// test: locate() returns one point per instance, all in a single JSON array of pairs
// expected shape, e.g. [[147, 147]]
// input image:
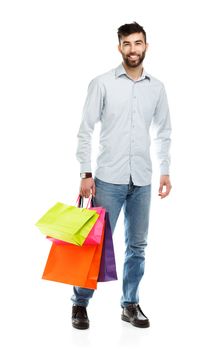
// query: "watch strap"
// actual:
[[85, 175]]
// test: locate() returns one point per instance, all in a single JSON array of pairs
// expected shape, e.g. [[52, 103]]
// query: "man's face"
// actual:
[[132, 49]]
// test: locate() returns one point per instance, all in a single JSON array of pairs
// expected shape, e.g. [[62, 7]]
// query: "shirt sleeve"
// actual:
[[91, 114], [161, 126]]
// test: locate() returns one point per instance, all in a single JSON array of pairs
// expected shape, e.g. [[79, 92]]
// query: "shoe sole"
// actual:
[[80, 327], [126, 319]]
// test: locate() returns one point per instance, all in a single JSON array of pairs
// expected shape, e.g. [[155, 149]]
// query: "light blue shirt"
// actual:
[[128, 111]]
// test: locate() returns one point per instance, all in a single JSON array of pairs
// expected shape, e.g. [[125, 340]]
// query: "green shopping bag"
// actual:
[[68, 223]]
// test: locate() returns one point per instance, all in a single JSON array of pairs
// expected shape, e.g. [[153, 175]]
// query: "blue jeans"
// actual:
[[135, 201]]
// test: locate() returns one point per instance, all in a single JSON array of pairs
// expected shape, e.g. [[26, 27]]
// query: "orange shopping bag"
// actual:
[[75, 265]]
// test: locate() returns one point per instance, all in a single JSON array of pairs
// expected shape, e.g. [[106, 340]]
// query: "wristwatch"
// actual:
[[85, 175]]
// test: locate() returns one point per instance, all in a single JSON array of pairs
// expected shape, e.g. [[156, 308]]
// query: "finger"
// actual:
[[87, 194], [166, 193], [162, 193], [160, 189], [81, 192]]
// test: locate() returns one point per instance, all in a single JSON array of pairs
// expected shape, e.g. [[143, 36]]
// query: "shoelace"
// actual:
[[133, 308], [80, 311]]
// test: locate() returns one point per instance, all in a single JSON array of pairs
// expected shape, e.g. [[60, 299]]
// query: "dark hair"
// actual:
[[127, 29]]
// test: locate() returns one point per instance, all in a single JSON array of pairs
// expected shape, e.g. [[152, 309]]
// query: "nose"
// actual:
[[132, 48]]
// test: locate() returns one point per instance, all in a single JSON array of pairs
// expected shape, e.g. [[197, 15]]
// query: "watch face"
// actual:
[[85, 175]]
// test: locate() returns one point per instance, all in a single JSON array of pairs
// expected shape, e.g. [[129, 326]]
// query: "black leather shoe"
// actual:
[[133, 314], [79, 317]]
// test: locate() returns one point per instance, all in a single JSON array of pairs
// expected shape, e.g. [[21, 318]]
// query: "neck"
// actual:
[[134, 72]]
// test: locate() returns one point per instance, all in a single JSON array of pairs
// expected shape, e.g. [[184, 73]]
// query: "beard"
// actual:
[[134, 63]]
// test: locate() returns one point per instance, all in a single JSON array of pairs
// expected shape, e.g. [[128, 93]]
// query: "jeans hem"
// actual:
[[79, 304]]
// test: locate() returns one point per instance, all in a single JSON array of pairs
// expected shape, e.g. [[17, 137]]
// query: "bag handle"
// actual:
[[80, 202]]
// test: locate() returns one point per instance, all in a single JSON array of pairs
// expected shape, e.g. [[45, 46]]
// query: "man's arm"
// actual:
[[161, 125], [91, 114]]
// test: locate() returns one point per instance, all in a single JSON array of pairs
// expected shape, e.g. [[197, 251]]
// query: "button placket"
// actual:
[[132, 121], [134, 110]]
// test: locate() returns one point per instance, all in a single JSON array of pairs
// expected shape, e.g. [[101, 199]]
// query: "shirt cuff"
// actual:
[[164, 170], [85, 168]]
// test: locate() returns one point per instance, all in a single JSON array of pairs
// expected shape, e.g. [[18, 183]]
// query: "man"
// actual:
[[127, 101]]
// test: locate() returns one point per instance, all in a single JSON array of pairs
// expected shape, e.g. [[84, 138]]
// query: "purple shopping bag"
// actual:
[[107, 264]]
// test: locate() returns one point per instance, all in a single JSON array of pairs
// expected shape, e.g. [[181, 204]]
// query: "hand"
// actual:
[[164, 181], [87, 187]]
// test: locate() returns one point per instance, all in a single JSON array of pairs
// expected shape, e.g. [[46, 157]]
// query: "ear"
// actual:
[[147, 45], [119, 48]]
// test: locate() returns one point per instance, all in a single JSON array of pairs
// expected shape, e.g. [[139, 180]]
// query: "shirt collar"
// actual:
[[120, 70]]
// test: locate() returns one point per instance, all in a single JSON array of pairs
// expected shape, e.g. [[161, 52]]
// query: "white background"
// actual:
[[50, 50]]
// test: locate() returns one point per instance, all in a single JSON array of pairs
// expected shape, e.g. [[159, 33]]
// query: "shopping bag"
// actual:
[[107, 270], [75, 265], [94, 236], [68, 223]]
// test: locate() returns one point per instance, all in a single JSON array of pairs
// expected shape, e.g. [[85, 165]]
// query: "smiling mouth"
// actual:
[[133, 57]]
